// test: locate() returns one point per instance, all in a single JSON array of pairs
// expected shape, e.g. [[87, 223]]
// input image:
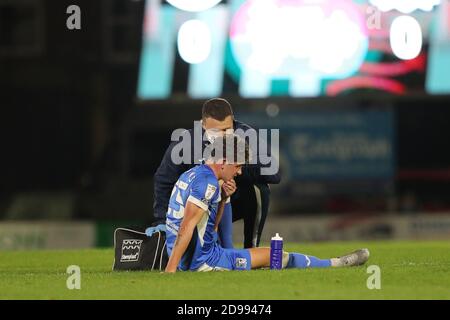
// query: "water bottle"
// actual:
[[276, 252]]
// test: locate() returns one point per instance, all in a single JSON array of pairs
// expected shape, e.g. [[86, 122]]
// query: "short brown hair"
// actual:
[[216, 108], [230, 147]]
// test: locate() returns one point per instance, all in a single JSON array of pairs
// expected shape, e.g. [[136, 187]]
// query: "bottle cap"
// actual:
[[277, 237]]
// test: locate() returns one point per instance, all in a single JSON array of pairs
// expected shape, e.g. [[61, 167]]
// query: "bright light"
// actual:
[[272, 110], [283, 37], [405, 6], [340, 38], [193, 5], [194, 41], [406, 37]]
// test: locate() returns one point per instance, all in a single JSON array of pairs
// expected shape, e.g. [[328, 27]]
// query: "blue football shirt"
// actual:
[[200, 186]]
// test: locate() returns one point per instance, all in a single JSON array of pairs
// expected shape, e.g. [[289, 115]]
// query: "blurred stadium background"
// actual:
[[87, 114]]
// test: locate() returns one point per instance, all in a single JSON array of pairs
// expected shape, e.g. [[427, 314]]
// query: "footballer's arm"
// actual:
[[192, 216]]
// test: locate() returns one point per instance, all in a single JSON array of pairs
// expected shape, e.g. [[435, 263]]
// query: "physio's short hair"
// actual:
[[229, 147], [217, 108]]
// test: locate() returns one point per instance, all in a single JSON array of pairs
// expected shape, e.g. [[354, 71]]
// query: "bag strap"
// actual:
[[126, 229], [162, 254], [156, 252]]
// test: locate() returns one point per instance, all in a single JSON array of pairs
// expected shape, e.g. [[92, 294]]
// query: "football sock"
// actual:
[[226, 227], [298, 260]]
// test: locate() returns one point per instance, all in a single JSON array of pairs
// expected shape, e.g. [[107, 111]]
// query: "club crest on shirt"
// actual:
[[210, 190], [241, 263]]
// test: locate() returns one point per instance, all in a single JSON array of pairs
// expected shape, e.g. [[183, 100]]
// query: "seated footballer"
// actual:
[[195, 209]]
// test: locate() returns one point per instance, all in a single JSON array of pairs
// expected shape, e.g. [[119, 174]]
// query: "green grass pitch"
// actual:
[[409, 270]]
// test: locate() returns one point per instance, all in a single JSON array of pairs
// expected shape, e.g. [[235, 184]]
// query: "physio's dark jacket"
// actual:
[[168, 173]]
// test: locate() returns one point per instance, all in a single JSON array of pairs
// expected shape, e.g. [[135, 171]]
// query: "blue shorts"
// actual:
[[231, 259]]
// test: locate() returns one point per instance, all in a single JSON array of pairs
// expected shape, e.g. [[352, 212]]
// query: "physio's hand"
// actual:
[[228, 188], [151, 230]]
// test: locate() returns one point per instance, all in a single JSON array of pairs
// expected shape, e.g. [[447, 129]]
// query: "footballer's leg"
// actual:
[[260, 258], [244, 206], [226, 227], [251, 203]]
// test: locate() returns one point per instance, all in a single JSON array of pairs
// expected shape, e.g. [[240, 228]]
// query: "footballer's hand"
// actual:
[[228, 188], [169, 271]]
